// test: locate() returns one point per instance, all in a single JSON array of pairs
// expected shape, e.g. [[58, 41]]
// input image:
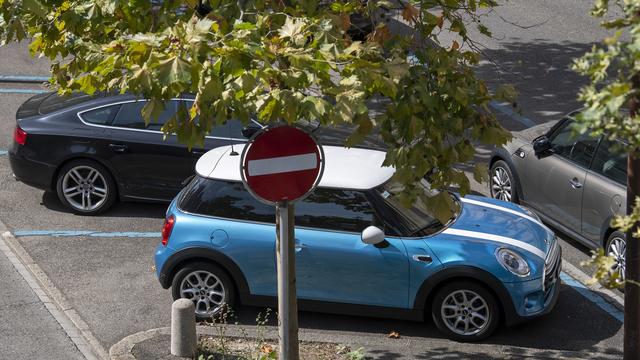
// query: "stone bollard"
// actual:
[[183, 328]]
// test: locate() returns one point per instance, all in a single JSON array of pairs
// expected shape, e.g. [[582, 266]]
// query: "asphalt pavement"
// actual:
[[108, 279]]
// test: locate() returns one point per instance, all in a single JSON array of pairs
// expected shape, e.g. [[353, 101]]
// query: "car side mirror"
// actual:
[[249, 131], [372, 236], [541, 144]]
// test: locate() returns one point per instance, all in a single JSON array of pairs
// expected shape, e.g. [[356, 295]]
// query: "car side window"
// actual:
[[230, 129], [335, 209], [130, 116], [225, 199], [610, 161], [578, 148], [100, 116]]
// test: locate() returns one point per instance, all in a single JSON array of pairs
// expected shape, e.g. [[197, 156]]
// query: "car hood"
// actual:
[[503, 223]]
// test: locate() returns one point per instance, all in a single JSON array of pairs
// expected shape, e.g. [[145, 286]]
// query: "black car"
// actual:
[[93, 150]]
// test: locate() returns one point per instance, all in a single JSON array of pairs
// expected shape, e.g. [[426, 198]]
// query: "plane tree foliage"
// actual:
[[611, 103], [283, 61]]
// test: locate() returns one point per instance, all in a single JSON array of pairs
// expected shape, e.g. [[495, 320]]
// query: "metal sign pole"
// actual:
[[287, 304]]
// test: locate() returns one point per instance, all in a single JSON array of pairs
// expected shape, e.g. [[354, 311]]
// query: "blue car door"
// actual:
[[332, 262]]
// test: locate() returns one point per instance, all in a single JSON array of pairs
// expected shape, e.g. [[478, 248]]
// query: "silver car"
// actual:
[[575, 183]]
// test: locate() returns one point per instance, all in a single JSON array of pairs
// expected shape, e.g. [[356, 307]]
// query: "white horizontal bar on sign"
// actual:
[[282, 164]]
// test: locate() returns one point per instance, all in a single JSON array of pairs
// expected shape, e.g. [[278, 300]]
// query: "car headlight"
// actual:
[[513, 262], [530, 212]]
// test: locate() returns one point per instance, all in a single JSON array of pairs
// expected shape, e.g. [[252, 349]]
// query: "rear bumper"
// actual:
[[28, 171]]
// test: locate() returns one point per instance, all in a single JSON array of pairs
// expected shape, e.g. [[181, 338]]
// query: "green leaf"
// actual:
[[174, 70], [480, 172], [35, 7], [152, 110]]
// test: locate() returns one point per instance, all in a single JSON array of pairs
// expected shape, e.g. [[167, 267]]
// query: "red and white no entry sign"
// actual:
[[281, 163]]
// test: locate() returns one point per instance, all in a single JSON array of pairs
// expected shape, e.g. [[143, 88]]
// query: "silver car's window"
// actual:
[[578, 148], [611, 161]]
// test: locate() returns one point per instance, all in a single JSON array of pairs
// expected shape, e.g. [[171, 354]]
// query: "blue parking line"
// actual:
[[22, 91], [508, 110], [593, 297], [23, 78], [3, 152], [75, 233]]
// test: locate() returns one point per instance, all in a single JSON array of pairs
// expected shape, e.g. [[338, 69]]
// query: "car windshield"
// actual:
[[417, 220]]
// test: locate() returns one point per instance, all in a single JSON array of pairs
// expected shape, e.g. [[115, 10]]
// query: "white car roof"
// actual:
[[345, 168]]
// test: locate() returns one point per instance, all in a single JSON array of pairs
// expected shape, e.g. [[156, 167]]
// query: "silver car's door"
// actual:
[[554, 182], [605, 190]]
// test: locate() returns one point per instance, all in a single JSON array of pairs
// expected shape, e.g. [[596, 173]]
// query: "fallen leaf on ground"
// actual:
[[394, 335]]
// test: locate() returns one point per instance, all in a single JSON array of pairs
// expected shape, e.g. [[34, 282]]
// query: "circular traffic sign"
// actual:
[[281, 163]]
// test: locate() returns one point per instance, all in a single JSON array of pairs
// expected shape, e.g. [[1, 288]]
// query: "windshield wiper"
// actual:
[[435, 224]]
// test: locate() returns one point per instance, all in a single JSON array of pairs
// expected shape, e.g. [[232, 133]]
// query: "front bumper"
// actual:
[[535, 298]]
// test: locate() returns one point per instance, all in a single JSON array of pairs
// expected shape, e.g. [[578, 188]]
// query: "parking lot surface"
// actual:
[[103, 267]]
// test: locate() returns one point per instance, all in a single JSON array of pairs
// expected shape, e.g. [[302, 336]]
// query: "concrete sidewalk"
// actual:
[[27, 329]]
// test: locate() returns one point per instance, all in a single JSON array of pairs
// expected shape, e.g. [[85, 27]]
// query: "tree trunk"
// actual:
[[632, 259]]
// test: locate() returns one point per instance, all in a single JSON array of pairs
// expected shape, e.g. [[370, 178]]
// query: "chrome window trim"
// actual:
[[79, 113]]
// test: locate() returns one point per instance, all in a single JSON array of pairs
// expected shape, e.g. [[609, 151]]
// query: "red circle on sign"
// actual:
[[281, 163]]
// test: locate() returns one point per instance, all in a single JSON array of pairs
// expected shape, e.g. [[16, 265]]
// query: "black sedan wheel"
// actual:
[[465, 311], [502, 182], [85, 187]]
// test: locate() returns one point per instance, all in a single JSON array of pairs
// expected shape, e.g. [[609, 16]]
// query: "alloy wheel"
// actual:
[[205, 290], [84, 188], [465, 312], [617, 249], [501, 184]]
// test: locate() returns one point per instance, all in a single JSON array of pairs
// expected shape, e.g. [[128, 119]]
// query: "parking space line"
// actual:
[[3, 152], [23, 78], [593, 297], [75, 233], [22, 91]]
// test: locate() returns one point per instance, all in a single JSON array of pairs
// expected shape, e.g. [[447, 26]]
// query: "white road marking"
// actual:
[[283, 164]]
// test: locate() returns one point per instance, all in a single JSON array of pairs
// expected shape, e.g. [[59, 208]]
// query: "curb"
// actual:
[[122, 349], [55, 302], [374, 345]]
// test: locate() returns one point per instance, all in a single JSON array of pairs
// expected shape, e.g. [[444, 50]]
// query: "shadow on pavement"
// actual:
[[120, 209], [575, 325], [540, 71]]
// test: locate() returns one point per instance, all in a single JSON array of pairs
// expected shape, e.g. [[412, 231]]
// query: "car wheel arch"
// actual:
[[431, 286], [502, 155], [54, 178], [190, 255]]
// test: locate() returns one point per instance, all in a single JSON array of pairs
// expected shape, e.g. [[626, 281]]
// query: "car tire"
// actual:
[[502, 184], [198, 278], [465, 311], [85, 187], [616, 246]]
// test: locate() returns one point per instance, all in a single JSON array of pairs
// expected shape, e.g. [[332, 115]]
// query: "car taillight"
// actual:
[[167, 228], [19, 135]]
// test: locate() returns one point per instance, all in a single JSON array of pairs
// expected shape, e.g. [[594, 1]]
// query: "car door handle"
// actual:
[[119, 148], [423, 258], [198, 151], [575, 183], [300, 247]]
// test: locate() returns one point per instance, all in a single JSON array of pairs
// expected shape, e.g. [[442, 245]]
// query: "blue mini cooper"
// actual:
[[358, 250]]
